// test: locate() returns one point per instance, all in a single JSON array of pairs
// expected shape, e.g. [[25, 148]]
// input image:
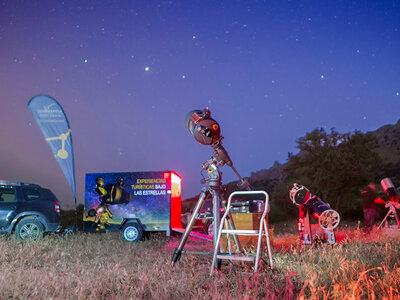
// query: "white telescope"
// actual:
[[309, 204]]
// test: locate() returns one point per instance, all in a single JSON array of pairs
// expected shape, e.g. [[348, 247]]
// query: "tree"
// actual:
[[330, 164]]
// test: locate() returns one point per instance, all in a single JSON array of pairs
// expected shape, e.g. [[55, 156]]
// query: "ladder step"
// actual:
[[242, 231], [236, 257]]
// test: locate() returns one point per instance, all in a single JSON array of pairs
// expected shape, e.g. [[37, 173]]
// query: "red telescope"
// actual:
[[389, 190]]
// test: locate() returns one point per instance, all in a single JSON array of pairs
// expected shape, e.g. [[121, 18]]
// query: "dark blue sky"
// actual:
[[127, 73]]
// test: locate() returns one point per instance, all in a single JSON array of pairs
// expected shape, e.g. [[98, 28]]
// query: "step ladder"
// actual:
[[262, 231]]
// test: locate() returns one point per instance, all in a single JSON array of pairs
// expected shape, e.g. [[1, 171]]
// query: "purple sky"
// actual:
[[128, 72]]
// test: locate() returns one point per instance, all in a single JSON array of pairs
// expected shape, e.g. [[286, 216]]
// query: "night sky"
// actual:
[[128, 72]]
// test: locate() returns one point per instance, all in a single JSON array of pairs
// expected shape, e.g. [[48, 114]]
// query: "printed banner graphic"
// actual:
[[54, 125]]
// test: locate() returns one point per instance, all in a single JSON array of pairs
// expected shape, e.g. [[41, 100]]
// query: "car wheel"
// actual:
[[29, 229], [131, 232]]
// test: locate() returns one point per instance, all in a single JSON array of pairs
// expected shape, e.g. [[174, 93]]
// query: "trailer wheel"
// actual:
[[131, 232]]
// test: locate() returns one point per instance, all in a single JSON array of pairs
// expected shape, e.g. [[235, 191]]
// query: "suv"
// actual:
[[28, 210]]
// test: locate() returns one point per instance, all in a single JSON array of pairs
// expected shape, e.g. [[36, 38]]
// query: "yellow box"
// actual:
[[244, 221]]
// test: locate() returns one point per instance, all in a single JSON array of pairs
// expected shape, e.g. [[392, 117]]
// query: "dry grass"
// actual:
[[101, 266]]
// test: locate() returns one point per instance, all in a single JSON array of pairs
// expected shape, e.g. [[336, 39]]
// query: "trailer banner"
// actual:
[[52, 121], [112, 198]]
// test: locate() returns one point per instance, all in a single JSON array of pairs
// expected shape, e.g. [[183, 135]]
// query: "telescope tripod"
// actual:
[[392, 213], [214, 188]]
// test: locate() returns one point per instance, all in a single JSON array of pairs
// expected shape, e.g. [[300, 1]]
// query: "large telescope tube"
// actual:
[[389, 189], [205, 130], [321, 211]]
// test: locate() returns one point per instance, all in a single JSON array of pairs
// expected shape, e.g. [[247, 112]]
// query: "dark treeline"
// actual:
[[335, 166]]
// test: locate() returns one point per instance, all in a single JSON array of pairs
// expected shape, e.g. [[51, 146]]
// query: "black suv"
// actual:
[[28, 210]]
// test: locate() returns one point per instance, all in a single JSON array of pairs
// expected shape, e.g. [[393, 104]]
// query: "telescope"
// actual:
[[207, 131], [390, 190], [309, 204], [392, 204]]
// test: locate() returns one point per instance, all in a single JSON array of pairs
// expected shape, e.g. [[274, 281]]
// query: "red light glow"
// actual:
[[176, 208]]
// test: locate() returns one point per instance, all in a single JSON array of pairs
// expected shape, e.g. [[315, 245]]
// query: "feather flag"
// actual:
[[53, 123]]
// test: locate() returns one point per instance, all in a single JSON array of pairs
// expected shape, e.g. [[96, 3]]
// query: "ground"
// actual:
[[101, 266]]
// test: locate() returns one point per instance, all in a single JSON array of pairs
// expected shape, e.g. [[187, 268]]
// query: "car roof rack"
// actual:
[[19, 183]]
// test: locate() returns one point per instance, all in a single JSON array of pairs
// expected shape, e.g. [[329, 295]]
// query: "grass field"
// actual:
[[101, 266]]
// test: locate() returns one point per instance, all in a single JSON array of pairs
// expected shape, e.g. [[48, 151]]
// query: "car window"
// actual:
[[7, 194], [31, 194]]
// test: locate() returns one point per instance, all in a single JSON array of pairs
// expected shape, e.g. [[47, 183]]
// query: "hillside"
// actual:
[[387, 146], [388, 143]]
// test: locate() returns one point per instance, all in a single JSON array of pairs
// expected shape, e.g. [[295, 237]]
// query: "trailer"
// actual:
[[132, 203]]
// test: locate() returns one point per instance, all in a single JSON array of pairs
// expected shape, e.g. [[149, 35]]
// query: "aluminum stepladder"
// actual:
[[262, 231]]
